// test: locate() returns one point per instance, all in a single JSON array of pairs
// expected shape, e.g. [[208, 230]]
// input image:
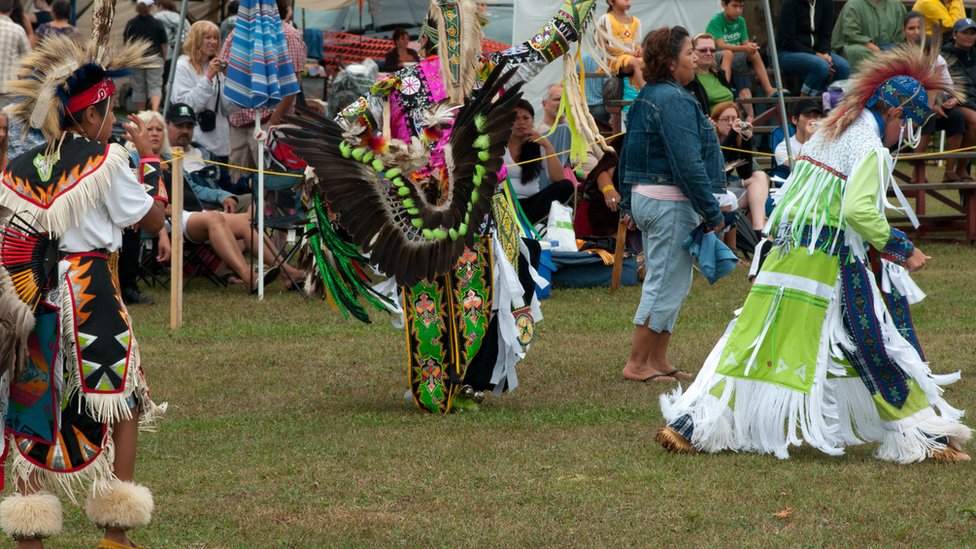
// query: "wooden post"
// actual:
[[618, 256], [176, 240]]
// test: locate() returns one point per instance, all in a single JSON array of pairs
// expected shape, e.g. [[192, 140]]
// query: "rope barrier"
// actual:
[[909, 156]]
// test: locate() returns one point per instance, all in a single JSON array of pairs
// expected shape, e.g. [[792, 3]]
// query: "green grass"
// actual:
[[287, 428]]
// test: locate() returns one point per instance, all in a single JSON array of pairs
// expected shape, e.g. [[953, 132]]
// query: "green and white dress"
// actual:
[[823, 350]]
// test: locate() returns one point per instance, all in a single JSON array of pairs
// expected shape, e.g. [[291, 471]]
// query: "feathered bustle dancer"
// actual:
[[412, 173]]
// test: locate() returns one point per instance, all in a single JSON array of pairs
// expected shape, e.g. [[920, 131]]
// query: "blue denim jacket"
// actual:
[[670, 142]]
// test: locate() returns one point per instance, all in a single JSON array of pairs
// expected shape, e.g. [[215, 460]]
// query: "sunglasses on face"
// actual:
[[705, 50]]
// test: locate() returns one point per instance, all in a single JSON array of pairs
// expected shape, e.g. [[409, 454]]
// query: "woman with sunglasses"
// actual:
[[710, 87]]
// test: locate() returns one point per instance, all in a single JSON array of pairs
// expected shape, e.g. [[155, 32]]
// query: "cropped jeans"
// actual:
[[664, 225]]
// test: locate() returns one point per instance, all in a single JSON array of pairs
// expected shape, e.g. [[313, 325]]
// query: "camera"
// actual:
[[223, 64]]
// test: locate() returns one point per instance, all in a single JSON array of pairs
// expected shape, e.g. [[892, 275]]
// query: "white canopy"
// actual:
[[323, 5], [530, 15]]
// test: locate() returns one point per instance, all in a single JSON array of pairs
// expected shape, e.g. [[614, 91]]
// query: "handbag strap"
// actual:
[[217, 103]]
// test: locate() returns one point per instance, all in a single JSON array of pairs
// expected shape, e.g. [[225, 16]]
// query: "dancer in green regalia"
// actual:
[[824, 350]]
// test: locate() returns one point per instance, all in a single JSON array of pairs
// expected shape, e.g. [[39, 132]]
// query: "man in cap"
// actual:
[[202, 177], [805, 117], [962, 57]]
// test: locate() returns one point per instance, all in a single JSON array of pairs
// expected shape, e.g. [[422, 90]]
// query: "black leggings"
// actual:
[[536, 207]]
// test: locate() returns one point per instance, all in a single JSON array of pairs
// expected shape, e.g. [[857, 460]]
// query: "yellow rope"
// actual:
[[252, 170], [756, 153]]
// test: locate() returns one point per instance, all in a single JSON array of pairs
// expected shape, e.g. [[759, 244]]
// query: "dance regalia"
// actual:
[[824, 350], [70, 364], [416, 184], [81, 371]]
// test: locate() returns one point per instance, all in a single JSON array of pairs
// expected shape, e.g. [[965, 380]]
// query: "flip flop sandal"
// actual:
[[674, 373], [652, 378]]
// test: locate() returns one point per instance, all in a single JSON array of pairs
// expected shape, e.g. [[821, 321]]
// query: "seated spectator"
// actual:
[[550, 107], [527, 145], [593, 86], [710, 86], [226, 232], [865, 27], [962, 55], [561, 137], [805, 117], [21, 138], [59, 25], [735, 51], [803, 42], [205, 178], [619, 35], [733, 132], [397, 57], [948, 117], [941, 14], [199, 83], [601, 189]]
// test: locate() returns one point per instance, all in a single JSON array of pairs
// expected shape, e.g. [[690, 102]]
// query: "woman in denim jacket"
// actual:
[[671, 164]]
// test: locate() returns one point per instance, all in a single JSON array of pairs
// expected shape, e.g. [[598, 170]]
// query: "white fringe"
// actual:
[[858, 419], [838, 412], [69, 209], [95, 474], [914, 439]]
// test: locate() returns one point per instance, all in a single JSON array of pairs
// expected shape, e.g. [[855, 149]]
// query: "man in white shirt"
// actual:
[[805, 117]]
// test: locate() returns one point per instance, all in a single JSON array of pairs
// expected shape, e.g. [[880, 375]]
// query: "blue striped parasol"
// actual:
[[260, 73]]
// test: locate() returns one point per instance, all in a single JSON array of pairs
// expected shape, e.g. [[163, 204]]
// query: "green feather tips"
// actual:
[[428, 234], [467, 218], [345, 149], [408, 203], [483, 156], [392, 174], [417, 222], [482, 142], [398, 182], [377, 165], [480, 170], [368, 157], [463, 229], [452, 233], [403, 191], [440, 233], [480, 122], [358, 153], [413, 211], [470, 206], [474, 196], [476, 179]]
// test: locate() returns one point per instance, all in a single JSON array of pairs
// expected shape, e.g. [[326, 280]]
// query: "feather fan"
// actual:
[[386, 214]]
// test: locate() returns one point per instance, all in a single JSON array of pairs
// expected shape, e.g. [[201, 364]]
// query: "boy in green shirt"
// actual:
[[735, 49]]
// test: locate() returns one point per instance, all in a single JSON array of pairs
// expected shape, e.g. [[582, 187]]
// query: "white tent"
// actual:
[[530, 15], [322, 5]]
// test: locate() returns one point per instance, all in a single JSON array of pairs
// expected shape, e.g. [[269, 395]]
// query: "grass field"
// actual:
[[287, 428]]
